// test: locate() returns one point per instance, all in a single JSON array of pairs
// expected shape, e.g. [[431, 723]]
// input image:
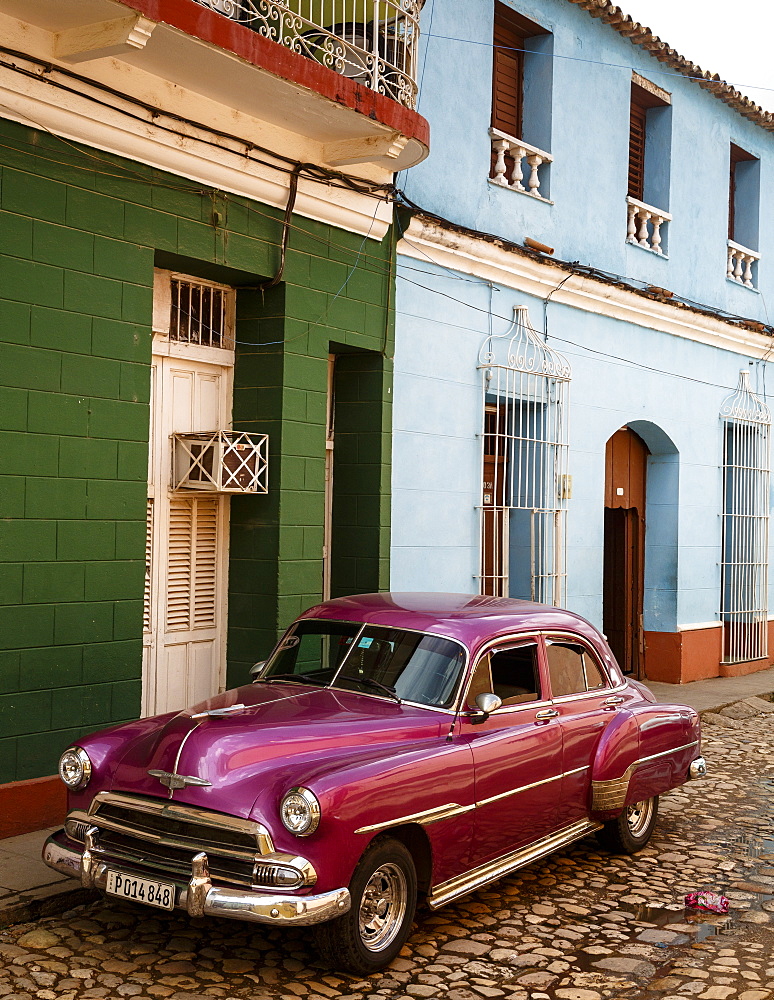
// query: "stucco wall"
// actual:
[[589, 135], [670, 392]]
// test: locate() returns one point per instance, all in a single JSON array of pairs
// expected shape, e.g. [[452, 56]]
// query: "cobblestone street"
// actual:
[[579, 925]]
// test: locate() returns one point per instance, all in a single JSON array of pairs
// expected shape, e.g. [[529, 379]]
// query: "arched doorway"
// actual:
[[626, 460]]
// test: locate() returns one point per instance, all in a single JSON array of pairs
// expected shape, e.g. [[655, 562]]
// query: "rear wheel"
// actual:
[[631, 831], [384, 895]]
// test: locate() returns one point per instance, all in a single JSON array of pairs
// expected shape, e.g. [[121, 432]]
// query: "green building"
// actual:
[[195, 239]]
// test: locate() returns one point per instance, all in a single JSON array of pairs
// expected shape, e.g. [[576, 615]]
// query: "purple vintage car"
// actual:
[[392, 746]]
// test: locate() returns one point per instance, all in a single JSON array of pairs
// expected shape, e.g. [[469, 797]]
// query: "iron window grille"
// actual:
[[745, 524], [525, 486], [201, 312]]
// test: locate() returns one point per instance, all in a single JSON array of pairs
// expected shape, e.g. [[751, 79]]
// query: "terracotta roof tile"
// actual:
[[638, 34]]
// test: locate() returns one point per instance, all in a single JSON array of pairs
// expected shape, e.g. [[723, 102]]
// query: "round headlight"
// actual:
[[300, 812], [75, 768]]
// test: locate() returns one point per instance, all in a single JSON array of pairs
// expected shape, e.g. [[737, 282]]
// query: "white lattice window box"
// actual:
[[221, 462]]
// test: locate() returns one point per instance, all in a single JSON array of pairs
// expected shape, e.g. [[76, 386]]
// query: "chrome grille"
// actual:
[[163, 836]]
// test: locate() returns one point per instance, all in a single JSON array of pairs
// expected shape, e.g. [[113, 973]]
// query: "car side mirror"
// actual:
[[487, 703], [257, 668]]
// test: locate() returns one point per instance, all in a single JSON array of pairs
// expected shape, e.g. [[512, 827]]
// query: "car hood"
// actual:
[[284, 735]]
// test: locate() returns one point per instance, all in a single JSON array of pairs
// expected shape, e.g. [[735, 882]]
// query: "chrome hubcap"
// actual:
[[638, 817], [383, 907]]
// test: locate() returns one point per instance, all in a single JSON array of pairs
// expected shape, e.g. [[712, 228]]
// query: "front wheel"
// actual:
[[384, 897], [630, 831]]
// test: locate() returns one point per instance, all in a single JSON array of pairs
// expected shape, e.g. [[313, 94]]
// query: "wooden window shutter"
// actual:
[[193, 563], [637, 123], [507, 75]]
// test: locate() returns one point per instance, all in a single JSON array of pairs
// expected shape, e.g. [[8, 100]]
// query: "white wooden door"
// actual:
[[187, 542]]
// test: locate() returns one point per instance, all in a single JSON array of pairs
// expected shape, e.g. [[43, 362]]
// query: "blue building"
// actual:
[[582, 338]]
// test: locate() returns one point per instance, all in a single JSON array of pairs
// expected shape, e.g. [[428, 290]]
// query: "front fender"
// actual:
[[366, 798], [645, 751]]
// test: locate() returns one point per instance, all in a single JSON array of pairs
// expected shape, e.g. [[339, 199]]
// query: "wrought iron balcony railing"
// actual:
[[371, 41]]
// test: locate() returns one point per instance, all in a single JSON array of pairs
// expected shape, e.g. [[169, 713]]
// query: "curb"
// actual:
[[25, 908]]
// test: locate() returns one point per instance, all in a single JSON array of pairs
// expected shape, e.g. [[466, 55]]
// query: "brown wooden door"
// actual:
[[493, 523], [624, 548]]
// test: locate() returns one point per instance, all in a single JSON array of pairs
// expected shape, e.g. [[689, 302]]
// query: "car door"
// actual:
[[517, 751], [581, 693]]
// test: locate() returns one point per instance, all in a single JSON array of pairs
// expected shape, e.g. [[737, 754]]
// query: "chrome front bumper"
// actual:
[[698, 768], [199, 897]]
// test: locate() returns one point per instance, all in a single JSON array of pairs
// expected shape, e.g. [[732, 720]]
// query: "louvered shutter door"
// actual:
[[146, 607], [636, 148], [193, 563]]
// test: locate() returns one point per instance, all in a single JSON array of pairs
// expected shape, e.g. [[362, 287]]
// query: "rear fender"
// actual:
[[645, 751]]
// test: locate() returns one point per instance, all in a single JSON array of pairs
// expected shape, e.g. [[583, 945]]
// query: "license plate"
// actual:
[[141, 890]]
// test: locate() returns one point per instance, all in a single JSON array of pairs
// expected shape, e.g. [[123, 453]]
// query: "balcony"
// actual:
[[644, 225], [371, 41], [741, 264], [507, 170], [322, 81]]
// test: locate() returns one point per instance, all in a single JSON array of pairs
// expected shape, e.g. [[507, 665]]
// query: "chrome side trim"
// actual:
[[665, 753], [515, 791], [477, 877], [453, 809], [258, 907], [611, 793], [423, 818]]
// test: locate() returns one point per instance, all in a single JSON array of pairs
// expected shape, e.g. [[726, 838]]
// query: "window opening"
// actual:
[[649, 165], [743, 215], [745, 524], [521, 102], [512, 674], [571, 668], [524, 465], [201, 312]]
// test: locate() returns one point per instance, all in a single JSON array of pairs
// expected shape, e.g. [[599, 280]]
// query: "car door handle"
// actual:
[[545, 714], [610, 703]]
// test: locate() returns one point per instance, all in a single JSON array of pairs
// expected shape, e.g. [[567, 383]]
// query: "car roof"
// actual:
[[470, 618]]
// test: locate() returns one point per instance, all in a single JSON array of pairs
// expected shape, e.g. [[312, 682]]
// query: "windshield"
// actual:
[[411, 666]]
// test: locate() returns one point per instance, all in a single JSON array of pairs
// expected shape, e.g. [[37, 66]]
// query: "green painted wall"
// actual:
[[79, 233]]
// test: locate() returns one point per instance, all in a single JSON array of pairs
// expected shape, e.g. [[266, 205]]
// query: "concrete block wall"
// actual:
[[80, 233]]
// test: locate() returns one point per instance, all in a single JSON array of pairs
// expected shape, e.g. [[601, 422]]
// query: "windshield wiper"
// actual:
[[369, 680], [301, 678]]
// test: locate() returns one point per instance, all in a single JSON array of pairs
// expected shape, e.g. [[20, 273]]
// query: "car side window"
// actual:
[[572, 668], [512, 674]]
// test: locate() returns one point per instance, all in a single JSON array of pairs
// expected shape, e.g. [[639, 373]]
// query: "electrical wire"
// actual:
[[601, 62], [324, 314], [295, 168]]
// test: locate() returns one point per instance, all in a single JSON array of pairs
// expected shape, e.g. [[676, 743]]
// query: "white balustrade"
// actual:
[[644, 222], [505, 145], [739, 264]]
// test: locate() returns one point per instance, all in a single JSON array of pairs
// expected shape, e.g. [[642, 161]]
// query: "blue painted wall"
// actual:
[[437, 449], [582, 118], [667, 388]]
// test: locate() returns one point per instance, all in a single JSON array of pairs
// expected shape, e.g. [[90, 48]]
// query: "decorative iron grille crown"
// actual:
[[521, 348]]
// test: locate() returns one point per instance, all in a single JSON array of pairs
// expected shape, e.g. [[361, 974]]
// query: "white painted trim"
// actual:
[[699, 625], [195, 153], [426, 240]]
